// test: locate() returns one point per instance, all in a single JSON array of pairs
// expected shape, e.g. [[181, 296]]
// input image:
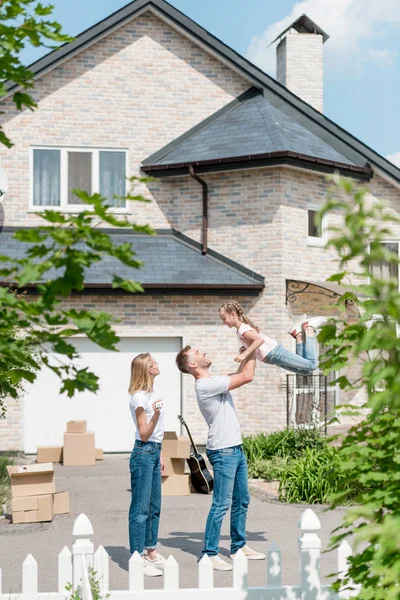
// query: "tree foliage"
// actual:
[[22, 23], [370, 452]]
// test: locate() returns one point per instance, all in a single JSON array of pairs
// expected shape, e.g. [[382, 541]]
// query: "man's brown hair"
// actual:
[[182, 359]]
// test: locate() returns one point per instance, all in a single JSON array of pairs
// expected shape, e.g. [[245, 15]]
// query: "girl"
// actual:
[[146, 464], [303, 362]]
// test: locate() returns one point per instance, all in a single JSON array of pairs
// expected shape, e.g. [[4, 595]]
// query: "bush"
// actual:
[[289, 443], [311, 478], [266, 469], [4, 479]]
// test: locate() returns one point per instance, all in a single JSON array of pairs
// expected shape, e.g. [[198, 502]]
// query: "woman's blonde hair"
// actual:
[[141, 378], [231, 306]]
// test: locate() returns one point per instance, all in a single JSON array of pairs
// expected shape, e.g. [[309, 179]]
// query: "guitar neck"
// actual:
[[189, 434]]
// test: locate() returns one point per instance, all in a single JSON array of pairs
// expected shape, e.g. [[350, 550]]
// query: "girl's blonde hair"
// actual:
[[141, 378], [231, 306]]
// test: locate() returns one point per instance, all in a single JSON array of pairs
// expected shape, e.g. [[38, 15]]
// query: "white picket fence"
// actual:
[[74, 567]]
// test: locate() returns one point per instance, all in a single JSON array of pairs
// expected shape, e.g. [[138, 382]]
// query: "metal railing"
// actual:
[[310, 401]]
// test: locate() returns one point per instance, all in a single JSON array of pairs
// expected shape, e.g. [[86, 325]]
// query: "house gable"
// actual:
[[276, 93]]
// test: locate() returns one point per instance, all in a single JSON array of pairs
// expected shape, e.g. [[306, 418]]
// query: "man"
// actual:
[[224, 451]]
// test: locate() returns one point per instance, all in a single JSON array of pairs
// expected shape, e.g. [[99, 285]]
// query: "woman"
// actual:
[[146, 464]]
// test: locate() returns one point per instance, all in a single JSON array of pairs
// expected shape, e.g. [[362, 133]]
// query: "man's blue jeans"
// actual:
[[304, 362], [231, 490], [144, 512]]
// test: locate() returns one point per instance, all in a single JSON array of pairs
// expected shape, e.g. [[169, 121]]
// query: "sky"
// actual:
[[361, 57]]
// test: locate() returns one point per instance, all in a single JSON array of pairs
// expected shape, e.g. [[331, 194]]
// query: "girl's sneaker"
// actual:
[[316, 323], [296, 327]]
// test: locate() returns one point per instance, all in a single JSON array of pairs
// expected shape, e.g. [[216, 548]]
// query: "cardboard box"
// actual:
[[61, 503], [174, 466], [24, 503], [175, 446], [47, 454], [99, 454], [175, 485], [44, 512], [76, 427], [79, 449], [32, 480]]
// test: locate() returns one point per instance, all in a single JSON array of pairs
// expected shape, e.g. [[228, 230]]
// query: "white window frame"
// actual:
[[64, 207], [312, 240]]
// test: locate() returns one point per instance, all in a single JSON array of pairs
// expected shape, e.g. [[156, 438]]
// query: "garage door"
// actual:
[[107, 412]]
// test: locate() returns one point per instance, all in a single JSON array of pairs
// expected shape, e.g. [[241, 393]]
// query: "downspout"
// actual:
[[204, 227]]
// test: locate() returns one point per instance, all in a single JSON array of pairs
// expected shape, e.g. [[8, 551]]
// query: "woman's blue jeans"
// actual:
[[231, 490], [144, 512], [304, 362]]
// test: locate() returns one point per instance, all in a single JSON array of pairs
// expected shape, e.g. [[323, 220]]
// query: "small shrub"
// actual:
[[266, 469], [4, 479], [289, 443], [311, 478]]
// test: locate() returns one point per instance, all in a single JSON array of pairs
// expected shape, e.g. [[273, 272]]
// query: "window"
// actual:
[[56, 172], [387, 270], [316, 235]]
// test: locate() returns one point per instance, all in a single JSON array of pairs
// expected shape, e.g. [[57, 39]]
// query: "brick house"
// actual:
[[240, 161]]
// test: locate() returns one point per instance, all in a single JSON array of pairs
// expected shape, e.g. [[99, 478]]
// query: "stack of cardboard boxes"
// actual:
[[175, 450], [78, 450], [33, 493]]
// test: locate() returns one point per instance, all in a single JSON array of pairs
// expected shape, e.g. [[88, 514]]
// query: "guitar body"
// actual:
[[201, 477]]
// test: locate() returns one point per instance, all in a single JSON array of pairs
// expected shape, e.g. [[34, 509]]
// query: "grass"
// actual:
[[5, 460]]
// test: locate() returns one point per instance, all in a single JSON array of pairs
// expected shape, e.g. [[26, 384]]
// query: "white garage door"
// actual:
[[107, 412]]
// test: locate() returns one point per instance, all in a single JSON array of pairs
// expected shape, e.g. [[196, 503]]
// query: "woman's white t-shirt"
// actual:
[[146, 401]]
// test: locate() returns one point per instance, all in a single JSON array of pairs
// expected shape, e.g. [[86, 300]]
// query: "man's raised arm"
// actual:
[[244, 374]]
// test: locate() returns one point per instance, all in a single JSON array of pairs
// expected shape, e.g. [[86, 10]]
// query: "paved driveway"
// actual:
[[102, 493]]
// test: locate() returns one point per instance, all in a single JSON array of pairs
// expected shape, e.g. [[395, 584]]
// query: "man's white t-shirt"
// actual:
[[146, 401], [216, 405]]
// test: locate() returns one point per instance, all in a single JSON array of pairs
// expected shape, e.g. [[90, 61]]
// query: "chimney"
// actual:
[[299, 60]]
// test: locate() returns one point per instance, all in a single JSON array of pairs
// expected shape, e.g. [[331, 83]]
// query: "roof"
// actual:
[[172, 263], [249, 128], [275, 92], [304, 25]]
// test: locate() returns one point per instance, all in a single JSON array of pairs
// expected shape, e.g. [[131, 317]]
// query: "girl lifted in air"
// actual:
[[303, 362]]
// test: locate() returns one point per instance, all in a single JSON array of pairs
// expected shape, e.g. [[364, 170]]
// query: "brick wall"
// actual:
[[139, 88]]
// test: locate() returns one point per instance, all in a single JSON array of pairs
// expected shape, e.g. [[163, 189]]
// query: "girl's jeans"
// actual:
[[304, 362]]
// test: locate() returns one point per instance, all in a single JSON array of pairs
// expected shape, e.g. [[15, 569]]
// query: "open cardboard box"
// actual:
[[32, 480], [175, 446]]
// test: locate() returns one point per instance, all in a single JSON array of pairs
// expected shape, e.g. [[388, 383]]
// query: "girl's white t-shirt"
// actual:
[[265, 348], [146, 401]]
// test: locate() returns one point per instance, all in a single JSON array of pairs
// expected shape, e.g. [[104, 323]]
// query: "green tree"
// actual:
[[59, 251], [22, 23], [371, 450]]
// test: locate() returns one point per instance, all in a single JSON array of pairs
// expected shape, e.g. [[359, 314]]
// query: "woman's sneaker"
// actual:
[[219, 564], [158, 561], [149, 570], [296, 327], [316, 323]]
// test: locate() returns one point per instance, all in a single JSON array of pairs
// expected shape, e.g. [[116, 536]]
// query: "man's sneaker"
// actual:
[[149, 570], [296, 327], [219, 564], [316, 323], [251, 554], [158, 561]]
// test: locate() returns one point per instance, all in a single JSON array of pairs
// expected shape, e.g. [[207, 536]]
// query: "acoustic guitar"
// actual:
[[201, 477]]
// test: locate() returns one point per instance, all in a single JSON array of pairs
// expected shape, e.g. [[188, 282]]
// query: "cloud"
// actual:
[[353, 26], [394, 158]]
